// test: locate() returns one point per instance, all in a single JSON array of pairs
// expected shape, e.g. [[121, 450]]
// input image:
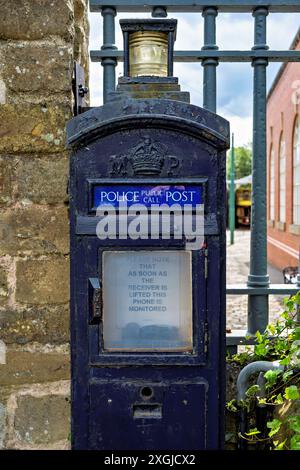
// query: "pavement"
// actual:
[[238, 257]]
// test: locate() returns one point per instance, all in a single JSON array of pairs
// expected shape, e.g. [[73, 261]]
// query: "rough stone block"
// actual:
[[42, 420], [44, 325], [7, 172], [34, 229], [43, 180], [24, 367], [32, 67], [2, 91], [3, 283], [81, 38], [43, 281], [38, 19], [80, 8], [30, 128]]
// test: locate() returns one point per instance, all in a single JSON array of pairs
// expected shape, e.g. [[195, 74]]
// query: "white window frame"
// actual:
[[272, 184], [296, 173], [282, 180]]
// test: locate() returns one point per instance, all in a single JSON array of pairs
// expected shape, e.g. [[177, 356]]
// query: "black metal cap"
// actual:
[[163, 25]]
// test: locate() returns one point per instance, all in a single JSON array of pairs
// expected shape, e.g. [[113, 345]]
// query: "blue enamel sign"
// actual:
[[147, 195]]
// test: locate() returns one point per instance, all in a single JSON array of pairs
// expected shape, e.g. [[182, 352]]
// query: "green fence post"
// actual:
[[109, 63], [258, 313]]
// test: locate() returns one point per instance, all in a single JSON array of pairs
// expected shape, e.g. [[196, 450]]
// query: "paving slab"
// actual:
[[238, 261]]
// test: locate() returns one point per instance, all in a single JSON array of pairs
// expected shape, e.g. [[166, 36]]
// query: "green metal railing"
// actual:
[[258, 287]]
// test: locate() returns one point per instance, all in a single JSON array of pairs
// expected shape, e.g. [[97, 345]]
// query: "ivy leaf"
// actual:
[[291, 393], [271, 376], [272, 329], [231, 405], [279, 399], [260, 349], [252, 391], [279, 445], [294, 424], [296, 298], [295, 442], [274, 426], [285, 361], [287, 374], [262, 401], [252, 432], [259, 337], [296, 333], [289, 303]]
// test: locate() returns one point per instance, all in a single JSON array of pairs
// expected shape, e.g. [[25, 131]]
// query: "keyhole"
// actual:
[[146, 393]]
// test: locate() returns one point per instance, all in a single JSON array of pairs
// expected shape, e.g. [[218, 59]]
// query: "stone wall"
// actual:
[[39, 40]]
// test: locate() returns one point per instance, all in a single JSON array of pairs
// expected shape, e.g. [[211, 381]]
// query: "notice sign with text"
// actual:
[[147, 195], [147, 300]]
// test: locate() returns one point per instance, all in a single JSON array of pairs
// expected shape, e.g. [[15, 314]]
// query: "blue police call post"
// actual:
[[147, 211]]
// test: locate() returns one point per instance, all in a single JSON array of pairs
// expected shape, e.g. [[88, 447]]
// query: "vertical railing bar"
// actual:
[[209, 65], [258, 309], [109, 63]]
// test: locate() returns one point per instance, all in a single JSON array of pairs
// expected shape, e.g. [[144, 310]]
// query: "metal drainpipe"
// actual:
[[242, 386], [261, 410]]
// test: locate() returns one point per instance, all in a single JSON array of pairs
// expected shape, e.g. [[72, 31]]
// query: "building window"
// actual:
[[296, 172], [272, 185], [282, 160]]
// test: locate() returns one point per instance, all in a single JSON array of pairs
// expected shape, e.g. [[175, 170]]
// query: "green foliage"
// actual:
[[274, 425], [291, 393], [271, 377], [280, 342], [252, 391], [232, 405], [294, 424], [243, 162], [295, 442], [252, 432]]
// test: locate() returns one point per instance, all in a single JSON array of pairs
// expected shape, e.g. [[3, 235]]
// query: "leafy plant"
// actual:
[[243, 161], [280, 342]]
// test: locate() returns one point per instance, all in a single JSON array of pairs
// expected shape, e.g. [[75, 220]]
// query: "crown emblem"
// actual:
[[147, 158]]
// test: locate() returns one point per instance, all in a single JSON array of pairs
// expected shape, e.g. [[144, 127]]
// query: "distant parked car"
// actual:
[[290, 274]]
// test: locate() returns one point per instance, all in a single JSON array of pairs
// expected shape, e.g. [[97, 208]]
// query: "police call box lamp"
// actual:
[[148, 47]]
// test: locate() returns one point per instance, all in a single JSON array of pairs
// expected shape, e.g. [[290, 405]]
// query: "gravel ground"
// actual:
[[238, 256]]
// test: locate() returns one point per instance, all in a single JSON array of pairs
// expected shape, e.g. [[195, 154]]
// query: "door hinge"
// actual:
[[79, 90], [95, 300]]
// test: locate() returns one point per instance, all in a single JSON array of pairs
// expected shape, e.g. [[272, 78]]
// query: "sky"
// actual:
[[234, 80]]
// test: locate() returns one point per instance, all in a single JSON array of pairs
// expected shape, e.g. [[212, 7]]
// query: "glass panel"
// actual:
[[147, 301], [148, 53]]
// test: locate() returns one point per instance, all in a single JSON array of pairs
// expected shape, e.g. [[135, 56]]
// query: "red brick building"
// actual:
[[283, 147]]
